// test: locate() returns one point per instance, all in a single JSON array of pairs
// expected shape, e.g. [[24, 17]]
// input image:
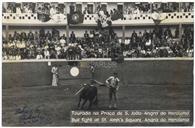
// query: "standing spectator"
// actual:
[[53, 10], [62, 41], [176, 33], [18, 9], [86, 35], [55, 33], [30, 36], [54, 72], [72, 37], [49, 35], [36, 37]]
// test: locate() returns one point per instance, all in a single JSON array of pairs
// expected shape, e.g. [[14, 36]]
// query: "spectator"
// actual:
[[62, 41], [46, 54], [148, 44], [30, 36], [53, 10], [18, 9], [39, 55], [72, 37]]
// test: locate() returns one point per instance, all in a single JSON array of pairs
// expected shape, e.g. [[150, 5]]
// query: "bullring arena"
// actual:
[[155, 73], [143, 87]]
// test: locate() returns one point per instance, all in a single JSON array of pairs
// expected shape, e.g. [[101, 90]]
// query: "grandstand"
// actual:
[[162, 34], [149, 45]]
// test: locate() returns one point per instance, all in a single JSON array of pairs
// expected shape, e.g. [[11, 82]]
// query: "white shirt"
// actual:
[[148, 43], [52, 11], [112, 81], [39, 56], [18, 10], [18, 57], [62, 42], [23, 45], [46, 53]]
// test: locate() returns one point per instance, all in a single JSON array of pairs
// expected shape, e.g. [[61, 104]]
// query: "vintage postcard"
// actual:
[[97, 63]]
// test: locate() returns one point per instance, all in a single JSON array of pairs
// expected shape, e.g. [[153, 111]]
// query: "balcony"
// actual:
[[32, 19], [26, 19]]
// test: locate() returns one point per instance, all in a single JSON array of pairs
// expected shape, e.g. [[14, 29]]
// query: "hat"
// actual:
[[115, 73]]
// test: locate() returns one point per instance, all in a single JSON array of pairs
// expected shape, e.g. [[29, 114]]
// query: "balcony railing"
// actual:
[[26, 19], [90, 19]]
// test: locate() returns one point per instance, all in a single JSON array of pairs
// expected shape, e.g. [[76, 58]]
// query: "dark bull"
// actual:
[[88, 93]]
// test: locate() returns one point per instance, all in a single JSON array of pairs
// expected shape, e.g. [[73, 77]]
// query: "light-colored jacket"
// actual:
[[113, 81]]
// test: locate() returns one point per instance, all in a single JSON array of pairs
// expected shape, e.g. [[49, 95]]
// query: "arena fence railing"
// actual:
[[97, 59]]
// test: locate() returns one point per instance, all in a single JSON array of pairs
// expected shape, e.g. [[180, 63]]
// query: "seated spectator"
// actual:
[[39, 55], [5, 56], [18, 56], [11, 43], [46, 54], [58, 50]]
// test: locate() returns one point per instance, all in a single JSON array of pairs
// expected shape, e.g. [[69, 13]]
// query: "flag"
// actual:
[[116, 16], [75, 18]]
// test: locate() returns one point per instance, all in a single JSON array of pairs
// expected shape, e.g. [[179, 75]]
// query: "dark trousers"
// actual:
[[112, 94]]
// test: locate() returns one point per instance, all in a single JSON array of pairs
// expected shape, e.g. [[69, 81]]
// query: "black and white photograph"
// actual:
[[92, 63]]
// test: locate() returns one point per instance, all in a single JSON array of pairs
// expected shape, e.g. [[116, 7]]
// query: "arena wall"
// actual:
[[156, 72]]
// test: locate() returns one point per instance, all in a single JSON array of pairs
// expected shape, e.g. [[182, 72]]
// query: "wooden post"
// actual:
[[6, 32], [151, 7], [179, 6], [123, 35], [180, 31], [67, 33]]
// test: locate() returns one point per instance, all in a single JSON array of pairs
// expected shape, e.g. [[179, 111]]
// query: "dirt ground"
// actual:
[[51, 106]]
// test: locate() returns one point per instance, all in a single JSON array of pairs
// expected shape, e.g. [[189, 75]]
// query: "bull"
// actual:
[[88, 93]]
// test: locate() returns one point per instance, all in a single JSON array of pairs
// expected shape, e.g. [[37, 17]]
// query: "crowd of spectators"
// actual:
[[159, 43], [19, 8], [101, 42], [129, 7], [139, 8], [45, 10], [187, 7], [43, 44]]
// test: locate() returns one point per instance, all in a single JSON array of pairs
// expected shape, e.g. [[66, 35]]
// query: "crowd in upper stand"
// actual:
[[46, 11], [138, 8], [129, 7], [160, 42]]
